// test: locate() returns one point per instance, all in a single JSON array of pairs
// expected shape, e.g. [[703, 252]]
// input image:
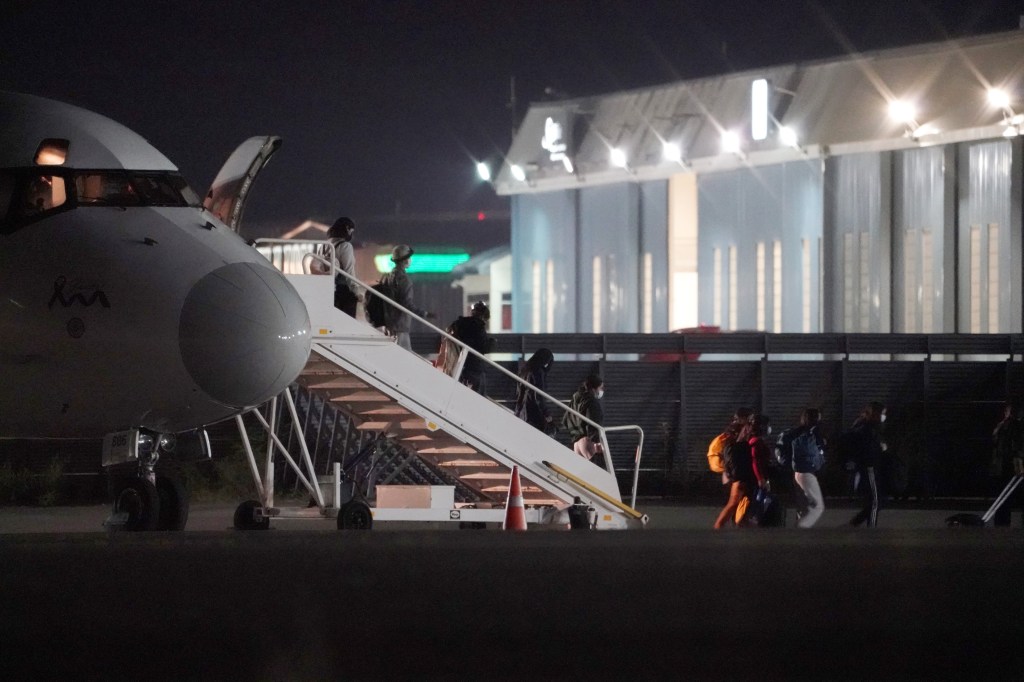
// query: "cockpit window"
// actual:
[[27, 195], [107, 188]]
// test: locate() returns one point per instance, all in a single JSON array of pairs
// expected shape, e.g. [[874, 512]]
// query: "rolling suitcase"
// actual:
[[973, 519]]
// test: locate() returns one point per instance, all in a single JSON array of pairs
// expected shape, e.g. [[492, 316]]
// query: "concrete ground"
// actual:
[[910, 600]]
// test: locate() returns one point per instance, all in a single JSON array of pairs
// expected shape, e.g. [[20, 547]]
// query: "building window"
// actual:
[[597, 294], [717, 298], [805, 284], [734, 278], [993, 278], [849, 280], [911, 278], [762, 294], [549, 298], [535, 298], [777, 287], [976, 299], [648, 325], [927, 284], [865, 282]]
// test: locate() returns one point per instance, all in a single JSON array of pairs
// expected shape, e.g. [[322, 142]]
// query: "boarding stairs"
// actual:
[[463, 437]]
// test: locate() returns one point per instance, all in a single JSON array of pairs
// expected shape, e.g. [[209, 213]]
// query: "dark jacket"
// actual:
[[1008, 439], [530, 406], [472, 331], [584, 402], [864, 444]]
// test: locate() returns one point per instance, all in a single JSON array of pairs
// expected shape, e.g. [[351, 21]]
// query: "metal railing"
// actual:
[[464, 349]]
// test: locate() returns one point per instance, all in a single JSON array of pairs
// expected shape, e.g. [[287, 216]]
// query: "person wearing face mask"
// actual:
[[530, 406], [347, 294], [864, 445], [586, 439]]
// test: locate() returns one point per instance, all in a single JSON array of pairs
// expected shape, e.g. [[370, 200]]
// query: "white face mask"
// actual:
[[599, 393], [769, 430], [883, 418]]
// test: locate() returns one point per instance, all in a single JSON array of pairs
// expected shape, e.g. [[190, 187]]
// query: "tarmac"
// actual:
[[909, 600]]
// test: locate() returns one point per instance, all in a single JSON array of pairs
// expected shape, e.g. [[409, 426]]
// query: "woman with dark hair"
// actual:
[[863, 443], [530, 406], [747, 468]]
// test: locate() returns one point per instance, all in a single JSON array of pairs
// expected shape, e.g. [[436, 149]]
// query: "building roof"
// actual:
[[834, 107]]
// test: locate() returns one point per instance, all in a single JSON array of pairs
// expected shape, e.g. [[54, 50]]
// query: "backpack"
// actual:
[[715, 450], [375, 305], [799, 450], [318, 267]]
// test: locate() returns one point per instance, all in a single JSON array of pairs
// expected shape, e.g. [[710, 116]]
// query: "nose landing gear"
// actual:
[[144, 500]]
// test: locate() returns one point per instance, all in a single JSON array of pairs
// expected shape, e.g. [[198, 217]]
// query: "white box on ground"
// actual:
[[416, 496]]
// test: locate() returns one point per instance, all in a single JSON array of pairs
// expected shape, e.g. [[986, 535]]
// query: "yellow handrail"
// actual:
[[591, 489]]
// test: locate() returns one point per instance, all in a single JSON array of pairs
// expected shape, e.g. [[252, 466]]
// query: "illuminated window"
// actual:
[[52, 152], [865, 282], [927, 284], [550, 297], [597, 294], [849, 280], [734, 277], [717, 299], [777, 287], [761, 293], [535, 298], [910, 281], [975, 279], [805, 284], [993, 278], [40, 195], [648, 325]]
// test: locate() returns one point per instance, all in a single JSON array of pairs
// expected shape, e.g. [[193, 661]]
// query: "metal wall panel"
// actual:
[[543, 230], [609, 238], [762, 205], [923, 281], [654, 241], [985, 211], [857, 243]]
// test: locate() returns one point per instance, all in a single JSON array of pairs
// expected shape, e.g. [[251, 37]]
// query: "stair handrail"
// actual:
[[602, 430]]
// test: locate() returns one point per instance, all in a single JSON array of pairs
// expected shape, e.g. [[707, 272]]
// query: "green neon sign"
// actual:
[[423, 262]]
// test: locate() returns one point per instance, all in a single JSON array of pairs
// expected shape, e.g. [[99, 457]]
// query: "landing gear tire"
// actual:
[[173, 504], [139, 499], [355, 515], [245, 517]]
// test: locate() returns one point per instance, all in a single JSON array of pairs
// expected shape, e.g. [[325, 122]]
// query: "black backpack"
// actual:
[[375, 305]]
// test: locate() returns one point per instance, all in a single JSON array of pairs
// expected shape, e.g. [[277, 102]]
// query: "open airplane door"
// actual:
[[226, 196]]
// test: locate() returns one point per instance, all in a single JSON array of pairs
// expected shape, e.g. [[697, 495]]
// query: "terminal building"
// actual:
[[874, 193]]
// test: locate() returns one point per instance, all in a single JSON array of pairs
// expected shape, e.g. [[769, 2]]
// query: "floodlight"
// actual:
[[788, 137], [730, 142], [999, 98], [618, 158], [670, 151], [517, 172], [483, 171], [759, 109], [902, 111]]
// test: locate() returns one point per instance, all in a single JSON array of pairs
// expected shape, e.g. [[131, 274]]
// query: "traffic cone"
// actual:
[[515, 514]]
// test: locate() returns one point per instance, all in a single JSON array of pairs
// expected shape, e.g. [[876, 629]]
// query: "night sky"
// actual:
[[384, 106]]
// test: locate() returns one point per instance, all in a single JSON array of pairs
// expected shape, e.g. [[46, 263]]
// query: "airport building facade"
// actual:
[[875, 193]]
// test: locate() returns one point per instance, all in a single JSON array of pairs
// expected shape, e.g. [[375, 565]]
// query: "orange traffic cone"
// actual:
[[515, 514]]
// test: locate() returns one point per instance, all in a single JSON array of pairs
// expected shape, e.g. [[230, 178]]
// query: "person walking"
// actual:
[[864, 446], [1008, 442], [397, 322], [803, 449], [716, 455], [586, 438], [472, 331], [347, 294], [530, 406], [747, 467]]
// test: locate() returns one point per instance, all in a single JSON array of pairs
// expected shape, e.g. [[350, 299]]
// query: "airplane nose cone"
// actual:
[[244, 334]]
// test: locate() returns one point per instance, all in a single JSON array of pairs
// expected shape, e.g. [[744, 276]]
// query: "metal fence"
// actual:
[[944, 394]]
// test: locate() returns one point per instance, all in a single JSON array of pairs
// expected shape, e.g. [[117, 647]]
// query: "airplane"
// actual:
[[131, 310]]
